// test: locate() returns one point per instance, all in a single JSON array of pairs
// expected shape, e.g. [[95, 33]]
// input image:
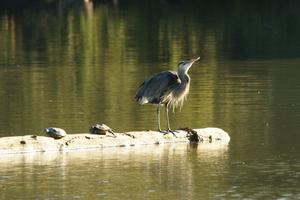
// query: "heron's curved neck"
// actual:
[[184, 77]]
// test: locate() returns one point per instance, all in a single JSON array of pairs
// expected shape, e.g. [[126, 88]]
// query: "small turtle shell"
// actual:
[[56, 133], [100, 129]]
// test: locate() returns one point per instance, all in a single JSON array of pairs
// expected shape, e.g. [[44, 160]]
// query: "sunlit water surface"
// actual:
[[75, 64]]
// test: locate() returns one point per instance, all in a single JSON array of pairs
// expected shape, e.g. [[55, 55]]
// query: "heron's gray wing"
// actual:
[[156, 86]]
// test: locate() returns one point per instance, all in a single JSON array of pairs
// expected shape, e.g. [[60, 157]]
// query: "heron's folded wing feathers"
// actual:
[[152, 89]]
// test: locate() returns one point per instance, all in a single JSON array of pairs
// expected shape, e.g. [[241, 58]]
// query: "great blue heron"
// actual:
[[166, 88]]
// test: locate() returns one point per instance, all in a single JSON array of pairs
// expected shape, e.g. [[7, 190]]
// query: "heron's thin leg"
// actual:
[[167, 117], [168, 122], [158, 117]]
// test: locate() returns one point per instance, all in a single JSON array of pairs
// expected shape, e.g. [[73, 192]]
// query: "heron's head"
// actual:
[[184, 66]]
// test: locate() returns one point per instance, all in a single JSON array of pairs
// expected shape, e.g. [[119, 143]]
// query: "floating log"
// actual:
[[84, 141]]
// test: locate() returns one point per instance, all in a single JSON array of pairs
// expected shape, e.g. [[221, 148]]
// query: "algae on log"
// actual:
[[32, 143]]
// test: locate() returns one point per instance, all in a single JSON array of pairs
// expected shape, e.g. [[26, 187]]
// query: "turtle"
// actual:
[[56, 133], [101, 129]]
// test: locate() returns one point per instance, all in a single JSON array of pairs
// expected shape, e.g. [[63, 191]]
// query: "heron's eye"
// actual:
[[181, 63]]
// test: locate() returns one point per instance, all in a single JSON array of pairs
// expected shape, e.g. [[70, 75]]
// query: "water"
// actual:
[[72, 64]]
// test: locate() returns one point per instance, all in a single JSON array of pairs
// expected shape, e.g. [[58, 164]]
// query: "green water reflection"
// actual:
[[73, 64], [74, 67]]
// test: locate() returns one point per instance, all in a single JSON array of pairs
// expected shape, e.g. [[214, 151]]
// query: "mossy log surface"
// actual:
[[84, 141]]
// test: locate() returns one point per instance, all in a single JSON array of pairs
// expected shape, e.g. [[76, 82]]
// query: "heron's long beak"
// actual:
[[194, 60]]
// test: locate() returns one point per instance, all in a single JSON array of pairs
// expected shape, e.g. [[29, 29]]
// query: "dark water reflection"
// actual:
[[72, 64]]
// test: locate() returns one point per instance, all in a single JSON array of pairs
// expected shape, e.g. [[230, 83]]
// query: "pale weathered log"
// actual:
[[30, 143]]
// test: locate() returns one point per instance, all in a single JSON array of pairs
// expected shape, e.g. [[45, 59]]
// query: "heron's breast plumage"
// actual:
[[177, 96]]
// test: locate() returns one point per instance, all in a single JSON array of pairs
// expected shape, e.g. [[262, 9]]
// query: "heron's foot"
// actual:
[[169, 131], [172, 131]]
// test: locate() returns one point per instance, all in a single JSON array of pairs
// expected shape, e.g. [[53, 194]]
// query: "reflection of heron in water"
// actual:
[[168, 88]]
